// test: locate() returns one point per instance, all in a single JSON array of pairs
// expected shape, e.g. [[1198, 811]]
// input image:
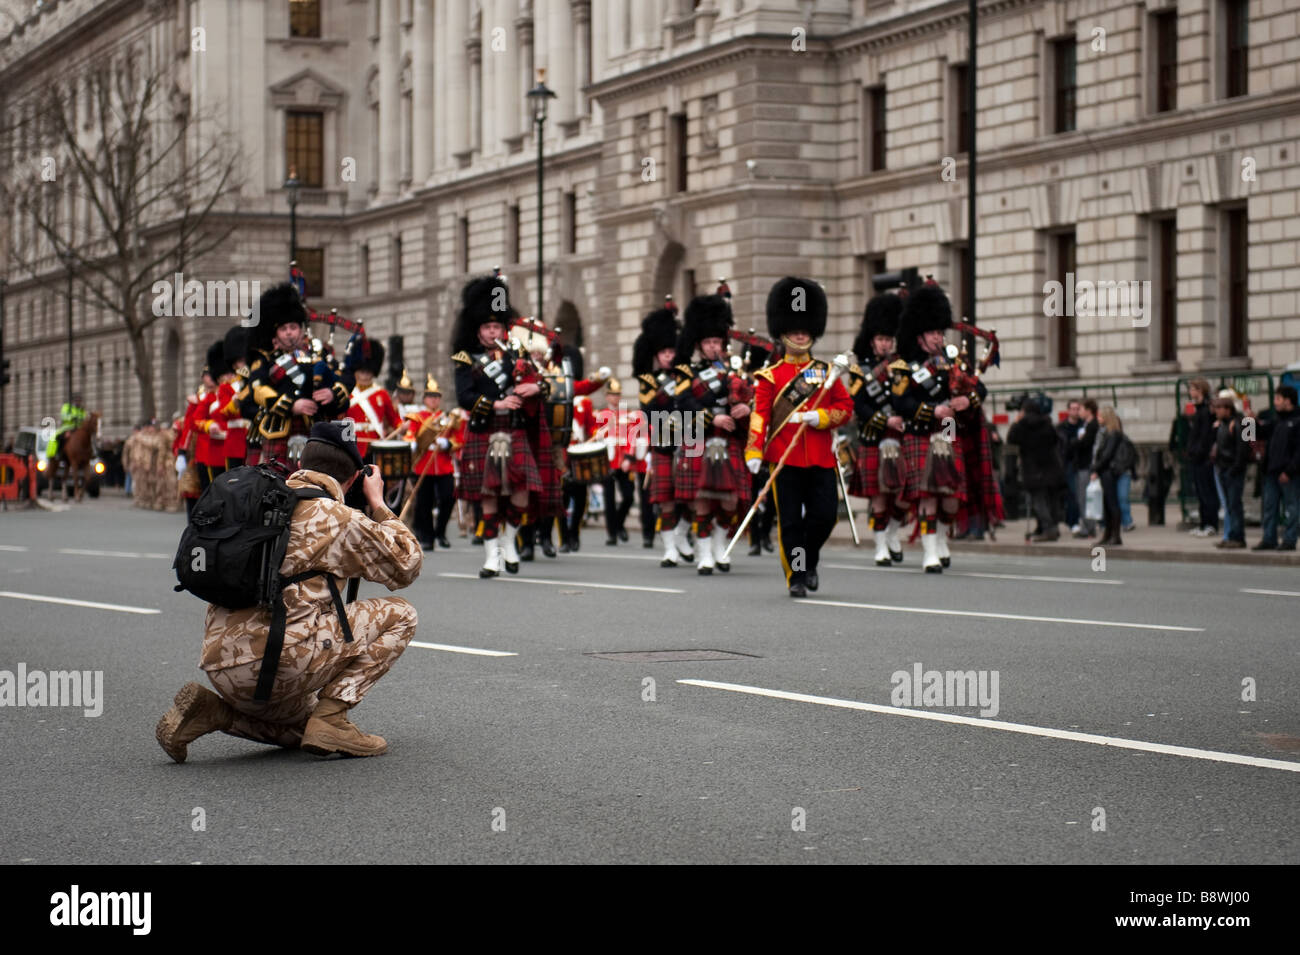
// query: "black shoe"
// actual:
[[611, 541], [932, 569], [798, 590], [426, 545], [647, 544], [548, 548], [444, 543], [478, 542], [565, 548], [667, 563], [526, 551], [573, 543], [896, 556], [813, 580], [1264, 545], [622, 535], [1290, 546], [725, 568], [946, 561], [485, 573], [767, 544], [704, 571], [511, 568], [885, 562], [756, 550]]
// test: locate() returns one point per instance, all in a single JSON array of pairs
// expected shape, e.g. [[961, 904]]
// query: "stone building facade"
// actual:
[[1118, 142]]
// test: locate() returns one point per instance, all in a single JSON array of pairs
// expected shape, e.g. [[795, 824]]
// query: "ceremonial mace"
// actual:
[[838, 367]]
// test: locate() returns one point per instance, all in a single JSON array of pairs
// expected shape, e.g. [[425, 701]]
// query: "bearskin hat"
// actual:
[[217, 365], [363, 354], [279, 305], [789, 311], [880, 318], [708, 316], [658, 331], [483, 300], [235, 345], [576, 363], [927, 310]]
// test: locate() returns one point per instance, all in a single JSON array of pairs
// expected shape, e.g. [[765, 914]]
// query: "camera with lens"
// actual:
[[1036, 402]]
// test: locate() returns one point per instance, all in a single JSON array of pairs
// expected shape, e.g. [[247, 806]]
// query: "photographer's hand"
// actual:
[[373, 487]]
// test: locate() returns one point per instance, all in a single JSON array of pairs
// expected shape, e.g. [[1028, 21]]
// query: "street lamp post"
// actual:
[[539, 98], [292, 185]]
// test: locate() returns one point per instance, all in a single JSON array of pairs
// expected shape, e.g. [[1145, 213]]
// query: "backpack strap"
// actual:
[[275, 637]]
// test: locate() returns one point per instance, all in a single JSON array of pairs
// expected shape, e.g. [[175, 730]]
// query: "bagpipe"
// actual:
[[963, 376]]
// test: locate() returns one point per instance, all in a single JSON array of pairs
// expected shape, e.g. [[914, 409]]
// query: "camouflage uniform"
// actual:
[[131, 451], [161, 472], [316, 662], [142, 482]]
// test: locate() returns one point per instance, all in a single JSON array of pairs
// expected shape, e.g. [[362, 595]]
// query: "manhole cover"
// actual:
[[670, 656]]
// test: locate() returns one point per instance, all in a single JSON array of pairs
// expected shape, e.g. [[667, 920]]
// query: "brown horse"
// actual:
[[77, 451]]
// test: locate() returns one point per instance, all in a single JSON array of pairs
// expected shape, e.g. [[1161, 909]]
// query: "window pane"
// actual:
[[312, 264], [304, 18], [304, 147]]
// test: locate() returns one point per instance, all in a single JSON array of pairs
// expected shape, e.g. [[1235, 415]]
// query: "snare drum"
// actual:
[[588, 462], [392, 458]]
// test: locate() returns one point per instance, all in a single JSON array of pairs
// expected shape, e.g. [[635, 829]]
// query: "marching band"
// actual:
[[717, 445]]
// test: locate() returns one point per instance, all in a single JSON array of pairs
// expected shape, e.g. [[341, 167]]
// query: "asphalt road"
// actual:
[[554, 755]]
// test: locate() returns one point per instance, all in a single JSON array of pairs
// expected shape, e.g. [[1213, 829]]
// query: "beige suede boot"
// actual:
[[329, 731]]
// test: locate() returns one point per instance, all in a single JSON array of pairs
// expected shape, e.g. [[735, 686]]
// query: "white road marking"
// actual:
[[1001, 616], [13, 547], [451, 649], [111, 553], [1272, 593], [569, 583], [1118, 742], [959, 573], [77, 603]]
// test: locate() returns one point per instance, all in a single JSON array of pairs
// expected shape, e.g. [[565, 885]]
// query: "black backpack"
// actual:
[[231, 551]]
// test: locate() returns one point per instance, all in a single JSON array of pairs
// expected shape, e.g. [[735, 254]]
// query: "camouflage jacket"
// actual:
[[325, 535]]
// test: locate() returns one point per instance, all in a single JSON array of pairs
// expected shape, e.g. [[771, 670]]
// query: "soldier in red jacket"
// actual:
[[794, 411]]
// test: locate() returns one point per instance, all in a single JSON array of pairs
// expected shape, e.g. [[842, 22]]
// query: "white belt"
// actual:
[[238, 423]]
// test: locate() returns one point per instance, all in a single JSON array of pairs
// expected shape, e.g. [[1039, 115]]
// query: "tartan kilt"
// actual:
[[525, 470], [659, 488], [916, 447], [865, 481], [692, 479], [982, 491], [550, 502]]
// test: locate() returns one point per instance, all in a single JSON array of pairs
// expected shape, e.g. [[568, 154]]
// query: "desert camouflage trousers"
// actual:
[[321, 667]]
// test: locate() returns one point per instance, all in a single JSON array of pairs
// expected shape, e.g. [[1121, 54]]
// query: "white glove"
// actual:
[[754, 464], [808, 417], [443, 444], [604, 372], [180, 464]]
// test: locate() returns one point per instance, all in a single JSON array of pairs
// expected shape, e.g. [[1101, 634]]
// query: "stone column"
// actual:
[[581, 60], [474, 53], [422, 93], [559, 62], [503, 66], [527, 69], [390, 124], [453, 81]]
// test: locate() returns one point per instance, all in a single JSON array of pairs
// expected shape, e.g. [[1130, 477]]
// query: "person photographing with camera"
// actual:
[[288, 670]]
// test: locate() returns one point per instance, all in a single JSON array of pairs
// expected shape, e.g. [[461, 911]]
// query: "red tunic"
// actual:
[[199, 417], [816, 444], [434, 461], [375, 414], [228, 416]]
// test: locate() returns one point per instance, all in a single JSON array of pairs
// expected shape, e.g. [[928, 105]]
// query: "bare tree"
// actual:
[[153, 186]]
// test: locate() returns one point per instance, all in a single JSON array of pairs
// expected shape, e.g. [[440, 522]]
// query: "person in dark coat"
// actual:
[[1200, 440], [1068, 432], [1281, 467], [1041, 467], [1231, 455], [1086, 437], [1112, 456]]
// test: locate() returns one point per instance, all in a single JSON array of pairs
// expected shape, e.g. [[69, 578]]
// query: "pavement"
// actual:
[[1143, 713]]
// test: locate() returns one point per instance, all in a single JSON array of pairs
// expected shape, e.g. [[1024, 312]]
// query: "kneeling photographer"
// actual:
[[331, 654], [1042, 470]]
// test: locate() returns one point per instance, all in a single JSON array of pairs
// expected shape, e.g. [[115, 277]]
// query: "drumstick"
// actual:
[[407, 516]]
